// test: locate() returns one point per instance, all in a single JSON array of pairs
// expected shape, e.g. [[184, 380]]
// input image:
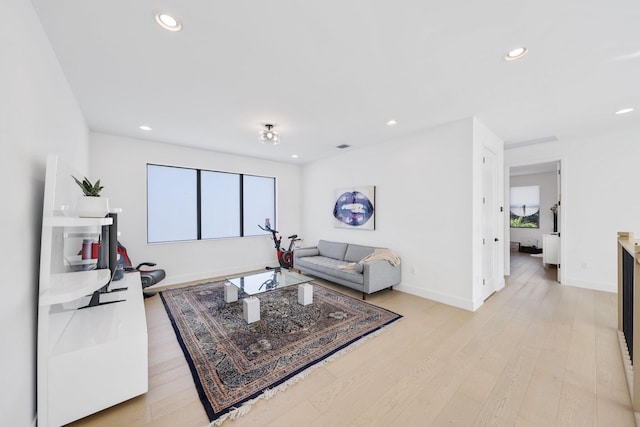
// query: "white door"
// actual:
[[490, 224]]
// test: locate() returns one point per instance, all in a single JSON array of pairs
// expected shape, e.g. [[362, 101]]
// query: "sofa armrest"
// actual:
[[302, 252], [379, 275]]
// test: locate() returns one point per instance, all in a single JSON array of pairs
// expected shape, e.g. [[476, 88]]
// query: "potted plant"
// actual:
[[91, 205]]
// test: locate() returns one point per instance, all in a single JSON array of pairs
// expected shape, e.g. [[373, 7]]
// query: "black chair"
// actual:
[[147, 277]]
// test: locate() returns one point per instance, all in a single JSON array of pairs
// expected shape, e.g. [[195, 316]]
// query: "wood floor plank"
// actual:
[[505, 399], [540, 403], [461, 410], [577, 406]]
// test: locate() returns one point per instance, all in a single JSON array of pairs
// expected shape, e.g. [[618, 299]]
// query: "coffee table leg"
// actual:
[[251, 309], [305, 294], [230, 293]]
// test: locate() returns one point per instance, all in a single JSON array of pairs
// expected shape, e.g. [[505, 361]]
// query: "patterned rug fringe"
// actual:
[[269, 393]]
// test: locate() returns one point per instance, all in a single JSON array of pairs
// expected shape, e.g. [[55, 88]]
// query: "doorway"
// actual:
[[538, 233]]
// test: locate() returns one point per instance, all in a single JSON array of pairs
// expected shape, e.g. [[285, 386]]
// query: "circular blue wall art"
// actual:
[[353, 208]]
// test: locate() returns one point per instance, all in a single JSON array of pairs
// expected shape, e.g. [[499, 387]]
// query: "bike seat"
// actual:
[[294, 236]]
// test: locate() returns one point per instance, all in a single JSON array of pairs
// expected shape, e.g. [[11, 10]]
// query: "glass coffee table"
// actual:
[[257, 283]]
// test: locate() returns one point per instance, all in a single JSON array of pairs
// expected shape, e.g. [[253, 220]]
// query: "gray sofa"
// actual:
[[368, 277]]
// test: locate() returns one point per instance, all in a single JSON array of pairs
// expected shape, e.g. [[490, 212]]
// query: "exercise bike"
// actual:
[[285, 257]]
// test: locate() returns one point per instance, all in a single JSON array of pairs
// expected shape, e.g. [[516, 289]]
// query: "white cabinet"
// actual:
[[100, 359], [550, 248], [88, 358]]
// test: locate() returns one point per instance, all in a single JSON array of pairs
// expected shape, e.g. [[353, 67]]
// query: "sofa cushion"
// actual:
[[321, 263], [333, 250], [356, 252], [329, 266]]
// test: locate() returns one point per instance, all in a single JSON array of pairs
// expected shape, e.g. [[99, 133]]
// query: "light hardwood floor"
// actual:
[[535, 354]]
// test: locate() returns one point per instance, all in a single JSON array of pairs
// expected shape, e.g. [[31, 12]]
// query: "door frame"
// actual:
[[564, 237]]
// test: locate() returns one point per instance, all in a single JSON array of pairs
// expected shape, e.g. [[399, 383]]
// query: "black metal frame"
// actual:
[[627, 299], [199, 201]]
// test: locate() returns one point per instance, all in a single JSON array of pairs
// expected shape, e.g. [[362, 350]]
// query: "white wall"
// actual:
[[121, 165], [599, 198], [548, 183], [38, 115], [423, 207]]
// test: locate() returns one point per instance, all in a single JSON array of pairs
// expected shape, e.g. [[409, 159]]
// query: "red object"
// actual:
[[86, 249], [125, 260], [95, 247]]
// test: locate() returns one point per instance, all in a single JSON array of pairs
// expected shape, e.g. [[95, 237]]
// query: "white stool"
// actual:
[[230, 293], [251, 309], [305, 294]]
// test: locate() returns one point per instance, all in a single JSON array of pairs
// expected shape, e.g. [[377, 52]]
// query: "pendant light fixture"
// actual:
[[269, 136]]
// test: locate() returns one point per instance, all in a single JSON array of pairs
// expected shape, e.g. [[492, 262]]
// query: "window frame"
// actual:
[[242, 232]]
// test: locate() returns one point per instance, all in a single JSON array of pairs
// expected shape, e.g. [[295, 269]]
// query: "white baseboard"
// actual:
[[436, 296], [605, 287], [470, 305], [477, 303]]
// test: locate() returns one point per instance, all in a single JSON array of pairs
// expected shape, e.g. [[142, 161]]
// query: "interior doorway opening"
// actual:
[[533, 192]]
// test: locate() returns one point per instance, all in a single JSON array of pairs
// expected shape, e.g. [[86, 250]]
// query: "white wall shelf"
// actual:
[[71, 221], [66, 287]]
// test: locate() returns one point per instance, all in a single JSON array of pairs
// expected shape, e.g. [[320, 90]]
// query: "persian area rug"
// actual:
[[234, 363]]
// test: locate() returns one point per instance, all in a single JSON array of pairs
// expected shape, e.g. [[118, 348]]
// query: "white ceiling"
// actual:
[[333, 72]]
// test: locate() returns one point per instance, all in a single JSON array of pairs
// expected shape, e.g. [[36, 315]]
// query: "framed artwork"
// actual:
[[355, 208], [524, 209]]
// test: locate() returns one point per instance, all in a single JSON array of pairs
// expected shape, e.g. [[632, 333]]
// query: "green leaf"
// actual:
[[88, 188]]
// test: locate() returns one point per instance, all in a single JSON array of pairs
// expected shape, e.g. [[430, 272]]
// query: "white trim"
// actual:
[[438, 297], [478, 302], [595, 286]]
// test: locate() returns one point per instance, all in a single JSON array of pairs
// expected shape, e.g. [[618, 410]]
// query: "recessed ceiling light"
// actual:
[[168, 22], [624, 111], [294, 156], [392, 122], [145, 127], [516, 53]]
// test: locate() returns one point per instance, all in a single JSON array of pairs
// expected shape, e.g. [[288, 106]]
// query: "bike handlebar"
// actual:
[[293, 238], [269, 229]]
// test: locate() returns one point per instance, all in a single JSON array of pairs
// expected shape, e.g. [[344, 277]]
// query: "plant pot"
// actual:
[[92, 207]]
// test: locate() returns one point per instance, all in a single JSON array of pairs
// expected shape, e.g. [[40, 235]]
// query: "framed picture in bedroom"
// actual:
[[355, 208]]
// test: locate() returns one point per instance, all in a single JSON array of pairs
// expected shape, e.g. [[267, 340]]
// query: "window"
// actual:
[[525, 207], [194, 204], [172, 204], [220, 204], [258, 196]]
